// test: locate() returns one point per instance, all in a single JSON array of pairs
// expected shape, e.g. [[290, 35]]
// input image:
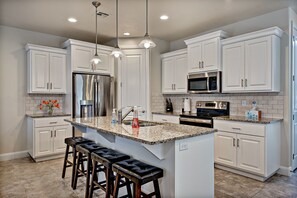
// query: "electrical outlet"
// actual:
[[243, 103], [183, 146]]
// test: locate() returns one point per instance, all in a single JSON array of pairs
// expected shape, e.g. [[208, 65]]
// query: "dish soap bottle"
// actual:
[[114, 116], [135, 122]]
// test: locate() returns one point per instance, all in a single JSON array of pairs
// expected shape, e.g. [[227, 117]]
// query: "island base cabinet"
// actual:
[[46, 137], [252, 150]]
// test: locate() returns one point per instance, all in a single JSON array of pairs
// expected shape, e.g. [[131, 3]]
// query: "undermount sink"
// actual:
[[141, 123]]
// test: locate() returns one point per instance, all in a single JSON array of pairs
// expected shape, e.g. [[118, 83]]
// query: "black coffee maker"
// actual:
[[169, 107]]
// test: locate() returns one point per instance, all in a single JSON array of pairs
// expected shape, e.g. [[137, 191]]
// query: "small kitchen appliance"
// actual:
[[187, 105], [207, 82], [206, 110]]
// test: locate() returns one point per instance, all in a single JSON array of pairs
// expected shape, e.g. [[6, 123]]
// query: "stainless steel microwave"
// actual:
[[207, 82]]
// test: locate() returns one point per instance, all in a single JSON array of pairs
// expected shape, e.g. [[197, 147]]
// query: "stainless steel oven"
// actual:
[[207, 82]]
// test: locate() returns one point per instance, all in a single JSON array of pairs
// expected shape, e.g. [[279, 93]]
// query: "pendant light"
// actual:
[[117, 52], [147, 42], [95, 60]]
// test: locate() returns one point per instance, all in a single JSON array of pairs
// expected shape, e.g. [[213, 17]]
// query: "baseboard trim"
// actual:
[[14, 155], [284, 171]]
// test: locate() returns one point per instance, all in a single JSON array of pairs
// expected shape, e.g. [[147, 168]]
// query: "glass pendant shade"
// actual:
[[96, 60], [117, 52], [147, 42]]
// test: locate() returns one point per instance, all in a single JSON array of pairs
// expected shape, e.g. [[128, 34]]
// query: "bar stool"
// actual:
[[84, 151], [138, 173], [72, 142], [107, 157]]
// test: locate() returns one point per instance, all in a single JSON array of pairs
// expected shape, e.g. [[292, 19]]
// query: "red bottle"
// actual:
[[135, 122]]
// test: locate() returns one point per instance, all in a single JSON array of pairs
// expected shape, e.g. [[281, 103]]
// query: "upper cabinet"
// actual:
[[46, 69], [251, 62], [204, 52], [174, 72], [81, 54]]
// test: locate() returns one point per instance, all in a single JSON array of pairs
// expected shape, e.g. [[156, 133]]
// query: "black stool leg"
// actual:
[[128, 186], [79, 159], [88, 176], [157, 189], [94, 178], [116, 186], [65, 161], [73, 165], [108, 182]]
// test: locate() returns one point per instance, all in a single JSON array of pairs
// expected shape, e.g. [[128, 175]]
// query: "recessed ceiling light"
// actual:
[[164, 17], [127, 34], [72, 20]]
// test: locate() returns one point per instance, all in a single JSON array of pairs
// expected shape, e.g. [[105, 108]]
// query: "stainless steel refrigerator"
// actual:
[[92, 95]]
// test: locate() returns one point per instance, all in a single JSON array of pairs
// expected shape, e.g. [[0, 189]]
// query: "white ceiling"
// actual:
[[186, 17]]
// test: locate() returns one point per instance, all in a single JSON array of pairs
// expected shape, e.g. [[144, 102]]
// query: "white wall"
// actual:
[[13, 73]]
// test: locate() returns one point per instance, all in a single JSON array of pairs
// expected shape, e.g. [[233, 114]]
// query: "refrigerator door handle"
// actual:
[[96, 98]]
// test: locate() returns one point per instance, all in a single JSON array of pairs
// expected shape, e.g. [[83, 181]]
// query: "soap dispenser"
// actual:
[[135, 122]]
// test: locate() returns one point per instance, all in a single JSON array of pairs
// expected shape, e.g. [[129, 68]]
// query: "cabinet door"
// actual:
[[82, 57], [43, 141], [233, 67], [39, 71], [210, 55], [57, 73], [250, 153], [225, 148], [180, 74], [194, 57], [167, 75], [104, 65], [258, 64], [60, 133]]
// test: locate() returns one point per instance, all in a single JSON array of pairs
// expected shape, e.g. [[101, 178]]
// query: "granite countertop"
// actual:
[[244, 119], [47, 115], [161, 133]]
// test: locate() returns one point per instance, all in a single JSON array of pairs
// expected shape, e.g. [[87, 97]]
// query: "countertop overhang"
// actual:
[[161, 133]]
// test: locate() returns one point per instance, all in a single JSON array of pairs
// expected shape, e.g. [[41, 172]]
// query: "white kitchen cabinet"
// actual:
[[249, 149], [174, 72], [81, 54], [165, 118], [251, 62], [204, 52], [46, 69], [225, 147], [46, 137]]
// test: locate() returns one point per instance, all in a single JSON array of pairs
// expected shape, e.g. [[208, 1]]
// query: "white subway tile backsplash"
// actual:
[[271, 104]]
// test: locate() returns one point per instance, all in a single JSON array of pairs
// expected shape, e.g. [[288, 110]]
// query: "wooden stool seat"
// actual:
[[72, 142], [139, 173], [107, 157], [84, 154]]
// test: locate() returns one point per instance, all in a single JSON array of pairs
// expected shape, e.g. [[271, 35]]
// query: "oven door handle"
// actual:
[[195, 120]]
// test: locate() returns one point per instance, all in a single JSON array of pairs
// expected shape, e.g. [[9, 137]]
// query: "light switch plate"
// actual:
[[183, 146]]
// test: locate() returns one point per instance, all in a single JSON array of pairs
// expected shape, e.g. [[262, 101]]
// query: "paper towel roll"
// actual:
[[187, 105]]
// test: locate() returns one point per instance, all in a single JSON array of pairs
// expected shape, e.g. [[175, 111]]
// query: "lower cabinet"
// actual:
[[46, 137], [249, 149], [166, 118]]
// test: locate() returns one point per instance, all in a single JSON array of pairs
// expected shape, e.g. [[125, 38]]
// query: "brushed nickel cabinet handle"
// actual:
[[237, 142], [202, 64], [51, 84], [164, 120], [199, 64], [47, 86], [234, 142], [51, 133], [174, 86], [241, 82], [53, 122], [245, 82], [55, 133]]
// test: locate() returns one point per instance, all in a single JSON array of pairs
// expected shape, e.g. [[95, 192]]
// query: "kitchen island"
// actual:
[[185, 153]]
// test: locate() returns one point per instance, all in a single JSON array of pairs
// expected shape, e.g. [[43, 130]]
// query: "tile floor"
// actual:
[[24, 178]]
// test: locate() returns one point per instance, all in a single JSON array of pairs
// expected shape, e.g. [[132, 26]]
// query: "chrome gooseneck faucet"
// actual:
[[121, 117]]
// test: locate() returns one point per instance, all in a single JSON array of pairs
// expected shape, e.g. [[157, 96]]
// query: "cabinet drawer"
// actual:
[[240, 127], [166, 118], [45, 122]]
